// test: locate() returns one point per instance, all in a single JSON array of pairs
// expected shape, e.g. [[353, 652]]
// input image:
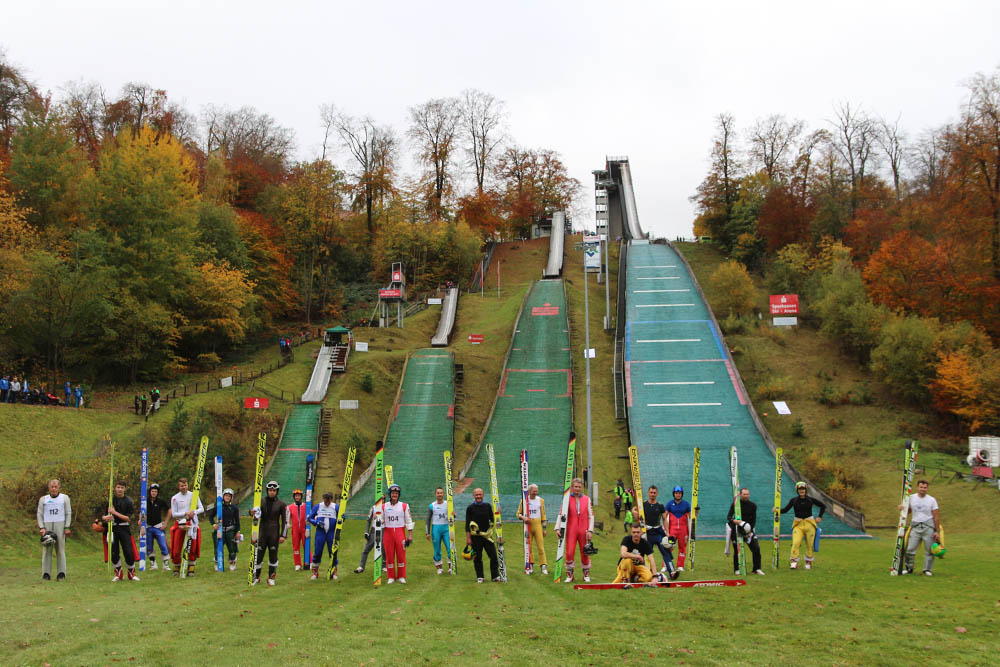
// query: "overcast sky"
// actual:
[[586, 79]]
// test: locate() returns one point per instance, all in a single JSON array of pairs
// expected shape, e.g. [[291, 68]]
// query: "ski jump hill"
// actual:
[[421, 427], [681, 389], [533, 409], [449, 308], [553, 268], [319, 382], [299, 439]]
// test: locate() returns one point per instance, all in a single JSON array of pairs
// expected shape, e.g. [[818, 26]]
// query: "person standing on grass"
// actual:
[[628, 520], [15, 391], [142, 403], [398, 535], [273, 515], [68, 390], [804, 527], [619, 492], [925, 526], [135, 403], [156, 510], [78, 393], [579, 529], [369, 540], [54, 516], [117, 518], [653, 512], [744, 530], [535, 520], [478, 535], [635, 562], [297, 517], [436, 529], [678, 522], [230, 526], [4, 388], [184, 518], [324, 517]]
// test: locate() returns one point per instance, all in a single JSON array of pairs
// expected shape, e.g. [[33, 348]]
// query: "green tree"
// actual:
[[848, 317], [735, 287], [905, 357]]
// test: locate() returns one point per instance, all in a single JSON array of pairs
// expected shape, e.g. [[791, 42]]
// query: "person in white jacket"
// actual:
[[184, 517], [398, 535], [54, 515]]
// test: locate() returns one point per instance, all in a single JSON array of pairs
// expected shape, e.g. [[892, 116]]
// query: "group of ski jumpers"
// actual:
[[666, 527]]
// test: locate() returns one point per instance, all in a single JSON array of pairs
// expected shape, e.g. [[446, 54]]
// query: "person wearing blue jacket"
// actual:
[[324, 518], [4, 388]]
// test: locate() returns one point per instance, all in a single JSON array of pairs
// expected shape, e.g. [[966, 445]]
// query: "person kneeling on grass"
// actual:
[[636, 561]]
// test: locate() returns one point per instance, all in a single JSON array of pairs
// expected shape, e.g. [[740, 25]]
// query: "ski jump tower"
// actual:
[[395, 293]]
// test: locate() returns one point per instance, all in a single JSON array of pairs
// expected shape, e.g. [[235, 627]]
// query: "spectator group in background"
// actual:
[[15, 389]]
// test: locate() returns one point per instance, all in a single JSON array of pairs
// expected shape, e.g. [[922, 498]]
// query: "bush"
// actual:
[[828, 395], [734, 289], [733, 325], [367, 383], [798, 428], [905, 358], [848, 317], [861, 395], [773, 389], [840, 483]]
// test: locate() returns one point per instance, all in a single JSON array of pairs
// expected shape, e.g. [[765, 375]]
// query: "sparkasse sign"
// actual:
[[784, 304]]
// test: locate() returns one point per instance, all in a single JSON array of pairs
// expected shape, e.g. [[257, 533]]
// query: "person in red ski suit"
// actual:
[[397, 536], [297, 518], [579, 527], [678, 522]]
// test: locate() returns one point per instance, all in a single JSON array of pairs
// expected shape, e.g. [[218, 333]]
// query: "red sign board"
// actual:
[[251, 403], [784, 304], [476, 338], [390, 293], [397, 276]]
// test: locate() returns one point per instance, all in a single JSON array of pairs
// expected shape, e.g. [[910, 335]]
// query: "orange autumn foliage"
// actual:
[[968, 387]]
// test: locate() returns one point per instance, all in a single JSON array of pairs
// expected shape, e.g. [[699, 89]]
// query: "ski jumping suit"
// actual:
[[369, 538], [748, 512], [678, 521], [54, 515], [230, 526], [478, 524], [122, 537], [536, 521], [397, 522], [297, 517], [804, 526], [324, 517], [179, 505], [628, 569], [437, 528], [273, 525], [154, 528], [579, 520]]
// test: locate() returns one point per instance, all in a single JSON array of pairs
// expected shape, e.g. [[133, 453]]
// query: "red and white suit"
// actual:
[[579, 519], [297, 519], [397, 521]]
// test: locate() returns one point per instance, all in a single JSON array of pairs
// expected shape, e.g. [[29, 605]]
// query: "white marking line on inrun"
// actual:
[[671, 383], [664, 305], [670, 340], [656, 266], [677, 405], [657, 291], [660, 278]]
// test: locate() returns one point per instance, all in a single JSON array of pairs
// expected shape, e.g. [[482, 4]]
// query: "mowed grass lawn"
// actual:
[[846, 611]]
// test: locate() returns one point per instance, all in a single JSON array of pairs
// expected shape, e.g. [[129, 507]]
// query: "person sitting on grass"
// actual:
[[636, 561]]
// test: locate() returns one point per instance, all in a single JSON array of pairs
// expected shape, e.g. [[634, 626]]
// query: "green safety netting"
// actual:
[[682, 393], [533, 408]]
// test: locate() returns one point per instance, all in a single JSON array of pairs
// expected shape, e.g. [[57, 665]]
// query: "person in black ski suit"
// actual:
[[274, 522], [230, 526], [119, 511]]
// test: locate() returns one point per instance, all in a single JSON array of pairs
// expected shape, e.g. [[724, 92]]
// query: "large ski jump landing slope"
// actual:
[[533, 409], [420, 429], [683, 393], [288, 465]]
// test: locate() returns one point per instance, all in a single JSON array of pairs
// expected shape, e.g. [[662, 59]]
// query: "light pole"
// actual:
[[586, 356]]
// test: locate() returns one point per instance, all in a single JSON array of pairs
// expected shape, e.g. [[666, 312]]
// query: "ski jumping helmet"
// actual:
[[669, 542], [801, 485], [48, 539], [938, 550], [298, 491], [273, 485], [679, 488], [467, 552], [229, 491], [154, 485], [589, 548], [394, 487]]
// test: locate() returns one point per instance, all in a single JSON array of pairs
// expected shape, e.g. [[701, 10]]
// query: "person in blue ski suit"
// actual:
[[437, 528], [324, 517]]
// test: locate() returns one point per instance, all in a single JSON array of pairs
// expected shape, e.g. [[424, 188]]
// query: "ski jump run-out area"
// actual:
[[421, 427], [533, 407], [683, 392]]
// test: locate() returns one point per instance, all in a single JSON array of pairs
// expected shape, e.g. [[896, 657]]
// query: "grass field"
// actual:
[[846, 611]]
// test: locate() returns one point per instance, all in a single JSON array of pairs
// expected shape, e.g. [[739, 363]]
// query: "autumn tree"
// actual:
[[16, 95], [854, 139], [783, 218], [373, 149], [772, 140], [735, 289], [482, 122], [717, 194], [433, 128]]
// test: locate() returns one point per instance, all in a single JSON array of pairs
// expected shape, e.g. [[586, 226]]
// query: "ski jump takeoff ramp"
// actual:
[[421, 427], [553, 268], [448, 310], [533, 408], [682, 392], [320, 380]]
